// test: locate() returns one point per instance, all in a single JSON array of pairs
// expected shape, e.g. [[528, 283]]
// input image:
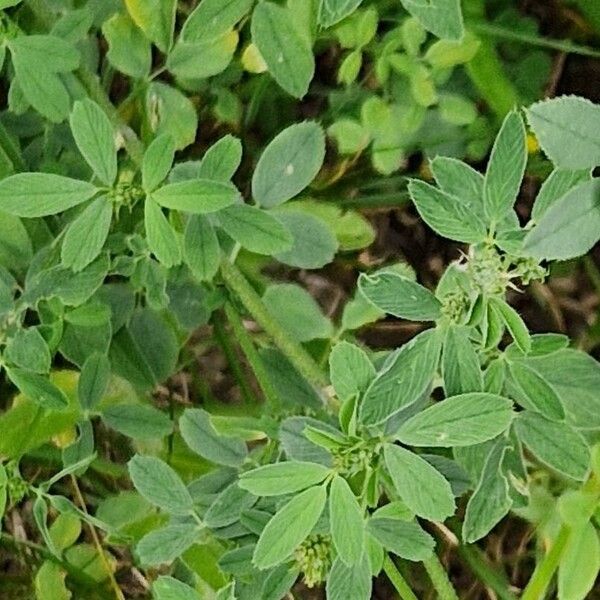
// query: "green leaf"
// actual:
[[555, 187], [51, 52], [128, 48], [571, 457], [157, 162], [228, 506], [575, 376], [297, 311], [458, 179], [162, 239], [354, 581], [406, 376], [168, 588], [170, 111], [445, 214], [404, 538], [506, 168], [314, 245], [285, 50], [462, 420], [569, 228], [86, 235], [3, 490], [201, 249], [399, 296], [289, 163], [212, 18], [461, 369], [95, 138], [39, 389], [279, 582], [579, 564], [333, 11], [137, 421], [93, 380], [166, 544], [422, 488], [283, 478], [514, 323], [566, 128], [16, 249], [158, 483], [539, 393], [198, 196], [350, 370], [255, 229], [28, 350], [200, 435], [222, 159], [42, 194], [289, 527], [490, 501], [346, 521], [201, 60], [442, 17], [50, 583], [156, 18]]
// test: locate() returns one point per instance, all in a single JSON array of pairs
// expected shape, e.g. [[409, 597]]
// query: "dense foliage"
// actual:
[[169, 174]]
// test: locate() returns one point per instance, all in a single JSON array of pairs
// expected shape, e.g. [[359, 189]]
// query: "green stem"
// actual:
[[300, 358], [439, 578], [533, 40], [253, 357], [544, 572], [234, 363], [484, 572], [11, 149], [394, 575]]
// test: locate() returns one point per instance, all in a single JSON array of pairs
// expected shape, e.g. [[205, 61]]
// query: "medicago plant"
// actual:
[[167, 185]]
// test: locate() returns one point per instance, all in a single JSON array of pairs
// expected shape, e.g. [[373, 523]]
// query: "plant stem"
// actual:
[[484, 572], [542, 576], [439, 578], [300, 358], [11, 149], [111, 577], [230, 354], [253, 357], [394, 575]]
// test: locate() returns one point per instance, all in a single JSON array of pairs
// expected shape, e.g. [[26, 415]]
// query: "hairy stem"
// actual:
[[394, 575], [439, 578], [299, 357], [252, 355], [232, 358]]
